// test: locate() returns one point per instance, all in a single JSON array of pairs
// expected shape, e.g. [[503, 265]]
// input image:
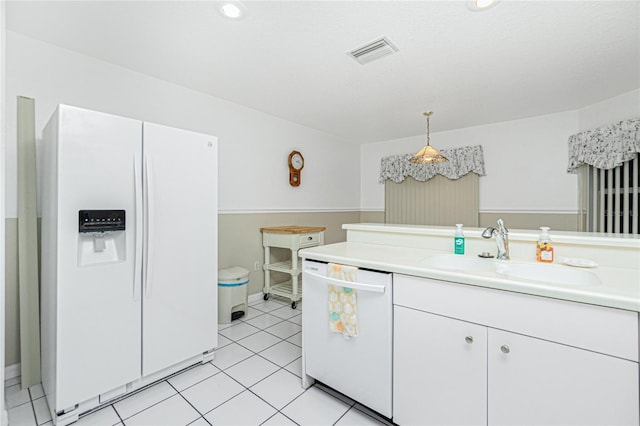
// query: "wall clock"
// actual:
[[296, 163]]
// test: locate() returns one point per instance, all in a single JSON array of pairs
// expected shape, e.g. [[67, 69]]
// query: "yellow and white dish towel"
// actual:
[[343, 307]]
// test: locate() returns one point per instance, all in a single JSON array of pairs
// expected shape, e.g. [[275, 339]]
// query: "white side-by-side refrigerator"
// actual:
[[129, 256]]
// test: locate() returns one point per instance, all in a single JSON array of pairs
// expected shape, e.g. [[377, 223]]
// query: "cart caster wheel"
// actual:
[[294, 305], [266, 296]]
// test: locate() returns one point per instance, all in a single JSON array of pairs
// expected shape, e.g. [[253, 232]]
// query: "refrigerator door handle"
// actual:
[[137, 255], [149, 226], [372, 288]]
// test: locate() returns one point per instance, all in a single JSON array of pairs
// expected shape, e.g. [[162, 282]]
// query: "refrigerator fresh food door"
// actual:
[[180, 288], [98, 330]]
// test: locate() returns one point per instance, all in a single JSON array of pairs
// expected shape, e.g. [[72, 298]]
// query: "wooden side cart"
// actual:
[[292, 238]]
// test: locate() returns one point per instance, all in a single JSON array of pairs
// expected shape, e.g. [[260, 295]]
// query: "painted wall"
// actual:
[[622, 107], [254, 188], [525, 160], [253, 146], [525, 163]]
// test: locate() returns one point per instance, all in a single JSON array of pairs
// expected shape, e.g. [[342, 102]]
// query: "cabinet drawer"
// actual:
[[306, 240], [596, 328]]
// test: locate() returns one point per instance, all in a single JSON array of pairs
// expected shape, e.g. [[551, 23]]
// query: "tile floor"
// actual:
[[254, 379]]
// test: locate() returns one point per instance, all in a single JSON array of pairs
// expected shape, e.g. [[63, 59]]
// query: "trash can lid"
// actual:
[[232, 273]]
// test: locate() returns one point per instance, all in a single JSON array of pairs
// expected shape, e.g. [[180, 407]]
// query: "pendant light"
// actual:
[[428, 154]]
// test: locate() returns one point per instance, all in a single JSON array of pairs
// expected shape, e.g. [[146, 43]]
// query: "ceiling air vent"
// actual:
[[373, 50]]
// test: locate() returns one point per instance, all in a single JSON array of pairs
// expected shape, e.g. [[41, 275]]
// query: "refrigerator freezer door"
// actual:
[[180, 289], [96, 320]]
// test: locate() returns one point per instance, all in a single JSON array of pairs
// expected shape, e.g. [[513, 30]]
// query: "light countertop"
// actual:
[[620, 287]]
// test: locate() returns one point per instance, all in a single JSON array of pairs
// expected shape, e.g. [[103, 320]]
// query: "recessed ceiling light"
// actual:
[[477, 5], [232, 9]]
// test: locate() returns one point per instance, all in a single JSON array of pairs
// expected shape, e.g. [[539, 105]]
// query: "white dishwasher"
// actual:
[[360, 366]]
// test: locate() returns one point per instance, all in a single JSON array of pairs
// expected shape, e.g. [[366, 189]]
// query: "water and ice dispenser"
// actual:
[[101, 236]]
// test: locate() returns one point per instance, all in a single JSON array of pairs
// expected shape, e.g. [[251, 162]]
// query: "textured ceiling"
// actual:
[[518, 59]]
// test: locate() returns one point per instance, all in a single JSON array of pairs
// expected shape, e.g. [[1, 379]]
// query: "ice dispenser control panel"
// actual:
[[101, 220]]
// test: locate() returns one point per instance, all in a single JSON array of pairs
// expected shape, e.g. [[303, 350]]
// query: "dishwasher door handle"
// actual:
[[354, 285]]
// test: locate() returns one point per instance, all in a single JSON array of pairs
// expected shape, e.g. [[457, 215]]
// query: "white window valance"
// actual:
[[605, 147], [462, 160]]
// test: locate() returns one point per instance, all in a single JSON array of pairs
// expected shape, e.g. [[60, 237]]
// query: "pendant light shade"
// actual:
[[428, 154]]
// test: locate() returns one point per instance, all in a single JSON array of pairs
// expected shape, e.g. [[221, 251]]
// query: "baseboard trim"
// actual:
[[255, 297], [12, 371]]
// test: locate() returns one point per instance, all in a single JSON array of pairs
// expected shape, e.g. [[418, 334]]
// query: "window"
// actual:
[[609, 199], [438, 201]]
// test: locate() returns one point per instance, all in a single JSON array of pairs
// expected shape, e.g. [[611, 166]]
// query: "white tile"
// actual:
[[296, 339], [251, 313], [244, 409], [171, 411], [212, 392], [223, 326], [334, 393], [229, 355], [296, 320], [315, 407], [251, 370], [264, 321], [36, 391], [279, 420], [41, 408], [358, 418], [279, 389], [223, 341], [239, 330], [144, 399], [104, 417], [200, 422], [192, 376], [22, 415], [268, 305], [284, 329], [15, 396], [285, 312], [282, 353], [295, 367], [259, 341], [373, 414]]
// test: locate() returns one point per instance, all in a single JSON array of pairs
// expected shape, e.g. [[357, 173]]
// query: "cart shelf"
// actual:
[[293, 238]]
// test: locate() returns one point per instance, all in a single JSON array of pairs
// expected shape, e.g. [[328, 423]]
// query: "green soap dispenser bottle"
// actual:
[[458, 240]]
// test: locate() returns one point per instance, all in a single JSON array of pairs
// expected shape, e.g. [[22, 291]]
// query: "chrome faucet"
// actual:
[[502, 239]]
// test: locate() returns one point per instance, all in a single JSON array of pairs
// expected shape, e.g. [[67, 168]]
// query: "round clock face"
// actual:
[[297, 161]]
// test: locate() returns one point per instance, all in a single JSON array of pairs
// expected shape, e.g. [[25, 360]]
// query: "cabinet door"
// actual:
[[440, 370], [537, 382]]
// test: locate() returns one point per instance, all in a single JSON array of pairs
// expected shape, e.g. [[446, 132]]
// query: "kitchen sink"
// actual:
[[550, 274], [455, 262], [553, 274]]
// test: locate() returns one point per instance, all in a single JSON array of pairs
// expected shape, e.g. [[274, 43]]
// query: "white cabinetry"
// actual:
[[533, 360], [455, 391], [544, 383]]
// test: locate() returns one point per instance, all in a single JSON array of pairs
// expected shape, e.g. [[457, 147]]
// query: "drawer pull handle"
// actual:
[[505, 349], [469, 339], [309, 238]]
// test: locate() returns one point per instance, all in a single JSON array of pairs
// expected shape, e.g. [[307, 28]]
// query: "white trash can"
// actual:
[[232, 294]]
